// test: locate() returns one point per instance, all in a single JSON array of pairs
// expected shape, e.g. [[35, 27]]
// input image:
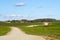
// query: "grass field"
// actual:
[[4, 30], [52, 29]]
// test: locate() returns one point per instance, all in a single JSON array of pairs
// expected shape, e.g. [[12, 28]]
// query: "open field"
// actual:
[[52, 30], [4, 30]]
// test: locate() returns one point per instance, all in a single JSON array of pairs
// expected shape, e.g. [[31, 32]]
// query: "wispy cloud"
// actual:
[[20, 4], [13, 15]]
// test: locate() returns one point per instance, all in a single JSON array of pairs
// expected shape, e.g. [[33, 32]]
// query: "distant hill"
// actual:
[[45, 20]]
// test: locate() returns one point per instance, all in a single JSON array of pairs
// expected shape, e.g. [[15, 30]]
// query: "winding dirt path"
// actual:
[[18, 34]]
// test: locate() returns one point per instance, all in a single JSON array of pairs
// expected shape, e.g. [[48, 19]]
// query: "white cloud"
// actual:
[[20, 4], [13, 15]]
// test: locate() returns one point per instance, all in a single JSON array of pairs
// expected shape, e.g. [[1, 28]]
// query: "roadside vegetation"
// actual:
[[51, 30], [4, 30]]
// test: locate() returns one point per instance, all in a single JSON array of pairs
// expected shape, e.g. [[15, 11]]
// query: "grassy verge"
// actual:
[[4, 30], [53, 29]]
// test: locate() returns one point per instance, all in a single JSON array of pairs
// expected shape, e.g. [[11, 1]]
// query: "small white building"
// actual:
[[46, 23]]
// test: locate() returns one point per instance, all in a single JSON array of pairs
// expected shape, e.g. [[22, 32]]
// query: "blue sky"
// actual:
[[29, 9]]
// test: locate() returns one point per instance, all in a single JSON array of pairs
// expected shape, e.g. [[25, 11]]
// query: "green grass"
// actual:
[[52, 29], [42, 30], [4, 30]]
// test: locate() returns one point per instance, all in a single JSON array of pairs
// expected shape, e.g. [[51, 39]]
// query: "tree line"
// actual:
[[35, 20]]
